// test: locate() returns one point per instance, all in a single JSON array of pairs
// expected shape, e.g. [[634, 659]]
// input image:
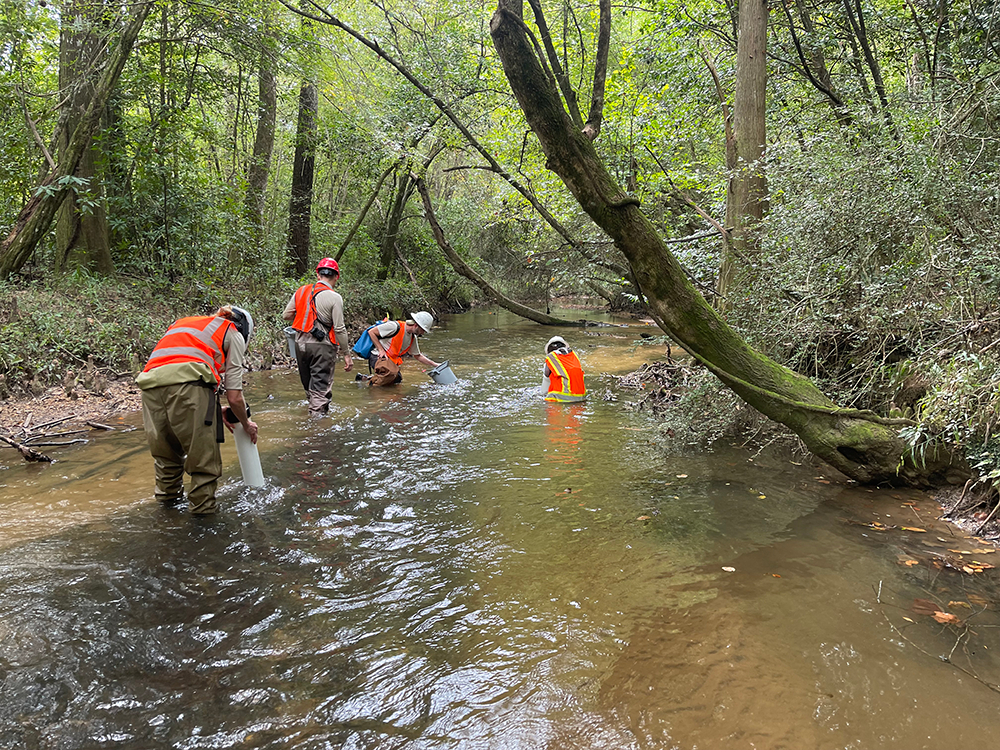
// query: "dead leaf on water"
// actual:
[[729, 569], [682, 476], [913, 528], [910, 563], [978, 600], [960, 604], [775, 575], [643, 518], [946, 618], [924, 607]]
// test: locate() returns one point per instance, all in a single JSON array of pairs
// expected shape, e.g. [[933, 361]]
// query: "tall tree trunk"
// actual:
[[260, 160], [861, 444], [746, 193], [83, 238], [36, 217], [387, 254], [300, 207]]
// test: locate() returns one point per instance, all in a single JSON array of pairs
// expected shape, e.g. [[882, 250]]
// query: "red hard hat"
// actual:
[[328, 263]]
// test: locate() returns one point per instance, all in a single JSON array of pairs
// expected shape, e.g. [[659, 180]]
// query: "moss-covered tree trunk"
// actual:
[[861, 445], [35, 218]]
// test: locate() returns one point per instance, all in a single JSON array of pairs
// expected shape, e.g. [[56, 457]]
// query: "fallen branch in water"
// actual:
[[29, 453]]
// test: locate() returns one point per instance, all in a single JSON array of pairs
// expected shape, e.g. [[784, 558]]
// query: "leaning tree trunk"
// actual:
[[83, 237], [860, 444], [464, 269], [36, 217]]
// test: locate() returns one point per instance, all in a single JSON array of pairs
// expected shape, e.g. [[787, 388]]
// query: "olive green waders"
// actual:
[[316, 360], [179, 439]]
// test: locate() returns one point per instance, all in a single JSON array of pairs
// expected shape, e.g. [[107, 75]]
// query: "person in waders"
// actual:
[[317, 315], [562, 373], [393, 340], [197, 358]]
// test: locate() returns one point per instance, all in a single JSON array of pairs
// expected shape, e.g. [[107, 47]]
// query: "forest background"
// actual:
[[823, 173]]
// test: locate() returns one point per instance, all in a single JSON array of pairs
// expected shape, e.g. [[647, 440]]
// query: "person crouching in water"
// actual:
[[180, 402], [562, 374], [317, 313], [395, 339]]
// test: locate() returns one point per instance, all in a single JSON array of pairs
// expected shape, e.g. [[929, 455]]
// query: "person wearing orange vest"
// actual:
[[180, 406], [562, 374], [317, 315], [396, 339]]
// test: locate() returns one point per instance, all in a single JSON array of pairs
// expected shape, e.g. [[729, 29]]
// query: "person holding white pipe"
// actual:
[[196, 359]]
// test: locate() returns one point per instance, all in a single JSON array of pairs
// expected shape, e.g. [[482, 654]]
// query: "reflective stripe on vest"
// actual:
[[197, 339], [566, 377], [393, 351]]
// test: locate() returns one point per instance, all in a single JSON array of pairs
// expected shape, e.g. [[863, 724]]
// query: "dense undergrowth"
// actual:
[[878, 276]]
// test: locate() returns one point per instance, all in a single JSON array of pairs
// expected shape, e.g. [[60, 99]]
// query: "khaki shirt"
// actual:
[[387, 330], [329, 310], [233, 347]]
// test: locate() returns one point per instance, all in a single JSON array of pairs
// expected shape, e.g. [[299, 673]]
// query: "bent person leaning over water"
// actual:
[[397, 339], [196, 358]]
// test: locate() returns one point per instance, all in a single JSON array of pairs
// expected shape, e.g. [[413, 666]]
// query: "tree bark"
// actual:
[[36, 217], [464, 269], [860, 444], [300, 207], [746, 193], [387, 253], [83, 237], [260, 161]]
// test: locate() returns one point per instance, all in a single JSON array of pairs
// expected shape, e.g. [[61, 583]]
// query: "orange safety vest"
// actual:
[[195, 339], [393, 351], [565, 377], [305, 308]]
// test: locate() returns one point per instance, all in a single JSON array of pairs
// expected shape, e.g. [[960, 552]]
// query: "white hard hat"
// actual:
[[556, 342], [423, 319]]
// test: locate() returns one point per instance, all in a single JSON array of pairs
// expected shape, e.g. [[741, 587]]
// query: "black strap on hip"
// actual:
[[213, 414]]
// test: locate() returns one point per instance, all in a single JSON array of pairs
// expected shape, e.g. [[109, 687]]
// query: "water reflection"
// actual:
[[468, 566]]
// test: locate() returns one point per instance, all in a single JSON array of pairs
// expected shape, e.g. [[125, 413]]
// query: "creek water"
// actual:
[[467, 566]]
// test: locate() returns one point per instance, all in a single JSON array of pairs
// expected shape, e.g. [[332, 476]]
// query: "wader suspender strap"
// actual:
[[214, 413]]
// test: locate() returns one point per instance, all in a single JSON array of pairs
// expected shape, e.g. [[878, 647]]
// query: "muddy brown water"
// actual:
[[466, 566]]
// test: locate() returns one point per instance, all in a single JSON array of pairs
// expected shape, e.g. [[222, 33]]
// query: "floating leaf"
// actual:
[[978, 600], [960, 604], [961, 551], [878, 526], [729, 569], [946, 618], [907, 618], [924, 607], [682, 476], [775, 575], [910, 563], [643, 518], [762, 497], [913, 528]]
